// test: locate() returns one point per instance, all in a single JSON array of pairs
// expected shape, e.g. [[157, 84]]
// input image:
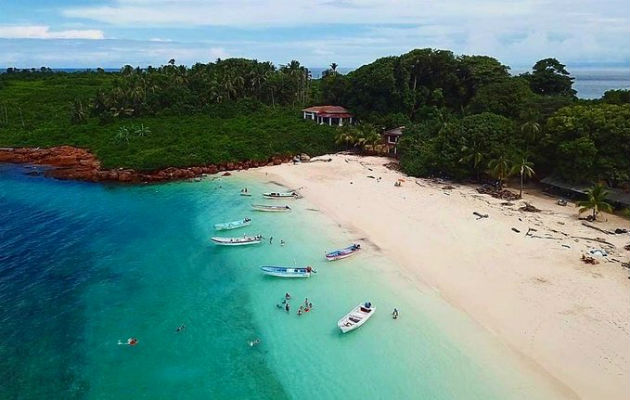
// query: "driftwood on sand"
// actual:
[[586, 224], [499, 194], [479, 215], [528, 207]]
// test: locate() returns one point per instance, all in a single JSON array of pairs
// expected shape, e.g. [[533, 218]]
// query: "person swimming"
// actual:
[[287, 307], [254, 342], [287, 296], [299, 312], [130, 342], [180, 328]]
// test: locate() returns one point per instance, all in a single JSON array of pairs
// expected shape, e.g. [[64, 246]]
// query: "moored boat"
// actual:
[[343, 253], [232, 225], [357, 317], [237, 241], [279, 195], [288, 272], [270, 208]]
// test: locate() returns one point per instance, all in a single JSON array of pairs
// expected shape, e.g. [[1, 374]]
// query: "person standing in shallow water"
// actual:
[[270, 239]]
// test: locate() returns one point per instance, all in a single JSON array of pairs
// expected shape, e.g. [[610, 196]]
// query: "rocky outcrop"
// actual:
[[73, 163]]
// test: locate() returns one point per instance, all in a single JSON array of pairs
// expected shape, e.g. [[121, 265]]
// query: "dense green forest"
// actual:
[[465, 116], [167, 116]]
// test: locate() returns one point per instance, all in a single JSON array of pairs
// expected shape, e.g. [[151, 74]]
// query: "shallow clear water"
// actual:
[[83, 266]]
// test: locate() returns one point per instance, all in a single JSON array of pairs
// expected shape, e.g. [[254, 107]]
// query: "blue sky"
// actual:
[[90, 33]]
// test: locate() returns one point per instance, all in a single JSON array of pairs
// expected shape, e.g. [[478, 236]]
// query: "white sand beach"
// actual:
[[570, 319]]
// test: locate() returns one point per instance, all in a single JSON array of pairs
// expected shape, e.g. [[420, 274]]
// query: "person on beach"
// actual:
[[286, 307]]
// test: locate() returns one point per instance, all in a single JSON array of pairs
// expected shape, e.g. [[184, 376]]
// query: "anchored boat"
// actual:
[[357, 317], [277, 195], [232, 225], [269, 208], [237, 241], [343, 253], [288, 272]]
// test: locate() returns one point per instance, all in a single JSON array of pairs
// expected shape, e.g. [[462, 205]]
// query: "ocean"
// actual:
[[86, 266]]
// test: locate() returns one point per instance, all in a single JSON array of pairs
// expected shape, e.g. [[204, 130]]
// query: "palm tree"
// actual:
[[347, 136], [596, 201], [500, 169], [473, 154], [531, 130], [333, 67], [525, 169]]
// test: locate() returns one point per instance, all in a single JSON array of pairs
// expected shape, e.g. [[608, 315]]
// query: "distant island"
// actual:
[[464, 117]]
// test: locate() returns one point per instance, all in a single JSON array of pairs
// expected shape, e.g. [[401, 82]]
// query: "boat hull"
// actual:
[[236, 241], [279, 195], [355, 319], [271, 208], [285, 272], [231, 225], [341, 254]]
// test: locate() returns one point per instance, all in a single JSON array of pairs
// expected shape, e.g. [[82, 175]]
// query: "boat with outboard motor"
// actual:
[[288, 272], [280, 195], [237, 241], [343, 253], [232, 225], [357, 317]]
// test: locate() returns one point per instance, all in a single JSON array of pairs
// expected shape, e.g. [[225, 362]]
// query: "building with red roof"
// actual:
[[329, 115]]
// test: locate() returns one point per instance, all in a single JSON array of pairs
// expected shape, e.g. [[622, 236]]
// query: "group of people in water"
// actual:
[[306, 307]]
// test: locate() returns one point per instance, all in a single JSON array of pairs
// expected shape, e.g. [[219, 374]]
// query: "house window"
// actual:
[[392, 139]]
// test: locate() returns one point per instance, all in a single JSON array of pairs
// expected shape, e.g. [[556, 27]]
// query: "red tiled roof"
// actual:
[[327, 110]]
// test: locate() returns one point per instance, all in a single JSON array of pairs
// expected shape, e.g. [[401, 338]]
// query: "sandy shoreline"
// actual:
[[571, 319]]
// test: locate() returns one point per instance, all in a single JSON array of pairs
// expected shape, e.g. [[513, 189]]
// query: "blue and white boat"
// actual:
[[288, 272], [343, 253], [232, 225]]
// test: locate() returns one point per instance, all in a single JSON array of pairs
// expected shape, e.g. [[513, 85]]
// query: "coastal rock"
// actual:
[[79, 164]]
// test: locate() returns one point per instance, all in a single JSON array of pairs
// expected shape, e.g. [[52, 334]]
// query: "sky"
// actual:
[[111, 33]]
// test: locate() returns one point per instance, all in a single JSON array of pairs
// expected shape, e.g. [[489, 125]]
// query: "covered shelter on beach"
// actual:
[[391, 138], [328, 115], [617, 197]]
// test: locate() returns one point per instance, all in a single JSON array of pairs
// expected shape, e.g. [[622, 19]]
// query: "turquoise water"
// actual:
[[83, 266]]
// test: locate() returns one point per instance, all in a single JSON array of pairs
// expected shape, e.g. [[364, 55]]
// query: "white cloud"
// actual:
[[44, 32], [250, 13]]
